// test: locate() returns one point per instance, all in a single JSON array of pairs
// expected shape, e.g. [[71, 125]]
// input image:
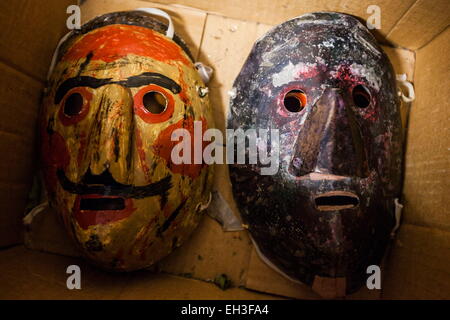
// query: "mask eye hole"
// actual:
[[361, 96], [295, 100], [73, 104], [155, 102]]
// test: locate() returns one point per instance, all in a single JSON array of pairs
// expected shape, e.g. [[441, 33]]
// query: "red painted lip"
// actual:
[[93, 217]]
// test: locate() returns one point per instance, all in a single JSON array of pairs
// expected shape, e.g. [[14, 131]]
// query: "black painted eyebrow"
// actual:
[[132, 82]]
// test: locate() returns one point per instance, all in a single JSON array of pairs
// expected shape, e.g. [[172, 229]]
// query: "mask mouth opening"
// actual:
[[100, 204], [336, 200]]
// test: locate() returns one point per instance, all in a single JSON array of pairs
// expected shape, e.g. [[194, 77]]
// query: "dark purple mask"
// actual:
[[323, 81]]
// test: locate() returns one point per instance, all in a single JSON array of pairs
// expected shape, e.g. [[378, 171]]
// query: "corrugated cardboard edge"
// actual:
[[273, 12], [419, 267], [410, 32]]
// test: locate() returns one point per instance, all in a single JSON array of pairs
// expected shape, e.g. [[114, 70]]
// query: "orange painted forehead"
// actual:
[[114, 42]]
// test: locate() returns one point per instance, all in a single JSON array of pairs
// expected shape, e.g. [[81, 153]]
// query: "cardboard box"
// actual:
[[416, 38]]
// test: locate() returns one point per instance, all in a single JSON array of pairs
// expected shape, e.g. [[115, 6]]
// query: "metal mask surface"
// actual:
[[119, 89], [323, 81]]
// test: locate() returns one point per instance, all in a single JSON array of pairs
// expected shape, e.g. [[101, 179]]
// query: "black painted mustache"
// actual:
[[112, 187]]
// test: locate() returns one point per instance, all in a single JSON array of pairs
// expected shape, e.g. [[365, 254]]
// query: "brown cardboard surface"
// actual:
[[43, 276], [19, 104], [403, 60], [47, 233], [211, 252], [224, 45], [20, 97], [162, 286], [261, 277], [427, 171], [423, 21], [419, 265], [30, 32], [273, 12], [13, 202]]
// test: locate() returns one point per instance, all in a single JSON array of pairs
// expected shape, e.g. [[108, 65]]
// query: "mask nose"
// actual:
[[330, 140], [110, 138]]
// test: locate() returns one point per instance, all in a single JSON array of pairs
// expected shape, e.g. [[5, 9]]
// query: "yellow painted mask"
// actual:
[[118, 90]]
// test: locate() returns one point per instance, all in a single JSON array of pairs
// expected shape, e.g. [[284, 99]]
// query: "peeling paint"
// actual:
[[346, 141]]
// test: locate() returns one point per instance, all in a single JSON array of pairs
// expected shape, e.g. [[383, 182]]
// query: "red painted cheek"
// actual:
[[163, 148], [54, 156]]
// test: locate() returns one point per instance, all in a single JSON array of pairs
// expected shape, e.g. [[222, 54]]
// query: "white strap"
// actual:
[[204, 71], [203, 206], [28, 219], [398, 216], [55, 54], [157, 12], [401, 78]]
